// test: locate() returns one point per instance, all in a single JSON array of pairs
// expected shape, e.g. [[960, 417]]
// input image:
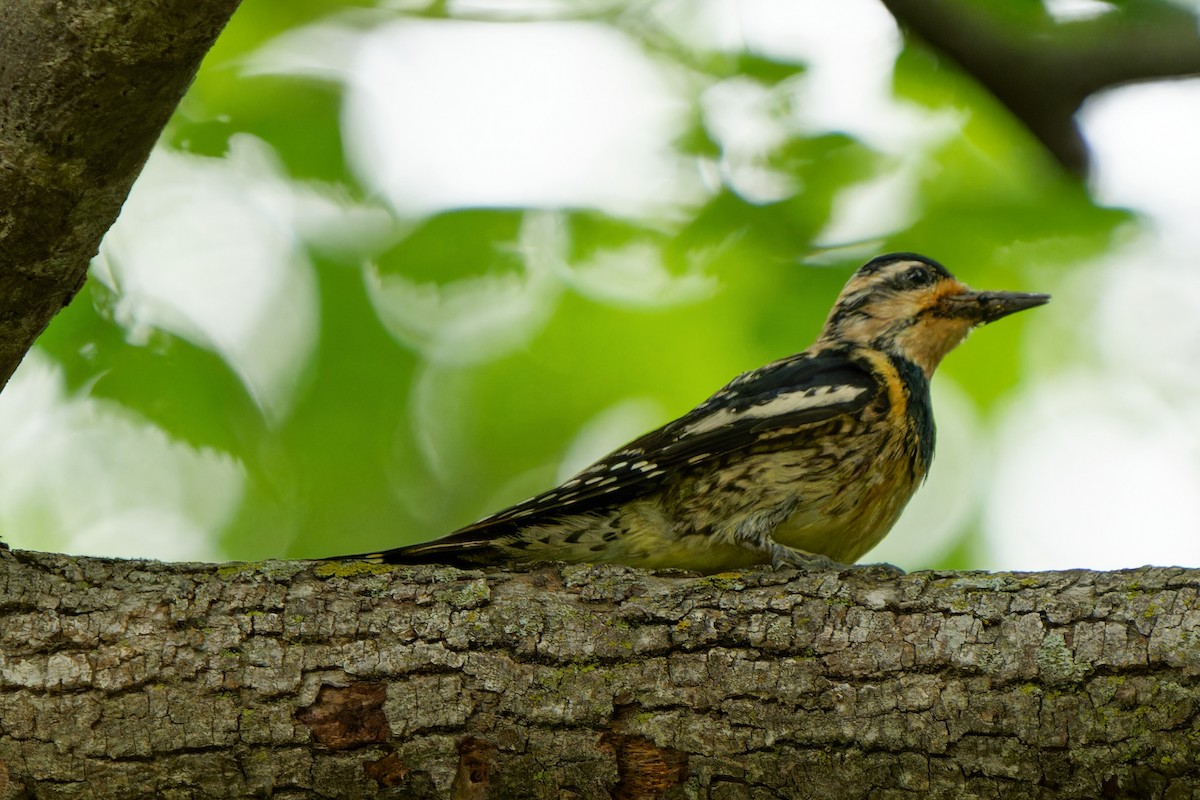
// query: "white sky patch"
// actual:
[[86, 477], [746, 119], [1075, 10], [429, 130], [1096, 475], [1101, 468], [1147, 322], [528, 9], [848, 50], [1143, 139], [545, 115], [406, 5]]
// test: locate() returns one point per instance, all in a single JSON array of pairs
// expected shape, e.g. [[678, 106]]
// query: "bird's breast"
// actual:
[[859, 499]]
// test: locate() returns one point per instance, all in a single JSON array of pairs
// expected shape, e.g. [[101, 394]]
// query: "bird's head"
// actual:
[[911, 306]]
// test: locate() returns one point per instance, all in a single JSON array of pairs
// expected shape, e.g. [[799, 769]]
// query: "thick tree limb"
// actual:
[[85, 89], [1043, 73], [130, 678]]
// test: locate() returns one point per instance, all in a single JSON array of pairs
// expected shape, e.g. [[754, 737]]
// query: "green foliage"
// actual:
[[388, 439], [185, 389]]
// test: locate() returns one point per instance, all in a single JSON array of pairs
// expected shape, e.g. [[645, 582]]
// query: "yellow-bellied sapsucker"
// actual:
[[805, 460]]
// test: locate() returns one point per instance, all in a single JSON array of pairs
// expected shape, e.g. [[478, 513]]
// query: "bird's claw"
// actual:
[[783, 557], [891, 569]]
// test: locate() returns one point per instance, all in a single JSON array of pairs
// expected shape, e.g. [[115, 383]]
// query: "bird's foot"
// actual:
[[882, 566], [783, 556]]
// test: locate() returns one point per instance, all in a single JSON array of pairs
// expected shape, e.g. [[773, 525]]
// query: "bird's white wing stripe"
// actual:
[[781, 404]]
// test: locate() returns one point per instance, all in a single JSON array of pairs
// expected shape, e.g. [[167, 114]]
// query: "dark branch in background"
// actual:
[[85, 89], [1043, 73]]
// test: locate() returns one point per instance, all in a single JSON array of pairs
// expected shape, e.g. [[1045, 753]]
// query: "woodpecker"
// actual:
[[807, 461]]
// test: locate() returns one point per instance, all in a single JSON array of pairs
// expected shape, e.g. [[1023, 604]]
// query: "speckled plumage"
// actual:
[[808, 459]]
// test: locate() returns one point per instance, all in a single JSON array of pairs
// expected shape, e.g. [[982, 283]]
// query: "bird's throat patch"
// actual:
[[919, 410]]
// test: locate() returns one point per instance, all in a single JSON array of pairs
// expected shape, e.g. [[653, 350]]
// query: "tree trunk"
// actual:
[[85, 89], [297, 679]]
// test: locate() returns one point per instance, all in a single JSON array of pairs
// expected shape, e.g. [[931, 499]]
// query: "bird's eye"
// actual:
[[917, 277]]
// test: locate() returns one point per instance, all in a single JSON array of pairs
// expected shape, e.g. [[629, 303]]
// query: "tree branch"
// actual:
[[1043, 73], [133, 678], [85, 89]]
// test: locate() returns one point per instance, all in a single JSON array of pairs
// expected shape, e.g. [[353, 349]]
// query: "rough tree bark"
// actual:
[[296, 679], [85, 89]]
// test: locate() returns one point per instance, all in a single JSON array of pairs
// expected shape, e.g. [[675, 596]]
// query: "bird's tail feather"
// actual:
[[463, 555]]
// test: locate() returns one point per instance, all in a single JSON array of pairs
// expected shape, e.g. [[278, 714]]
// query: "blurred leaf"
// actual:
[[299, 118], [336, 452], [1030, 13], [765, 70], [697, 141], [592, 231], [187, 390], [457, 244]]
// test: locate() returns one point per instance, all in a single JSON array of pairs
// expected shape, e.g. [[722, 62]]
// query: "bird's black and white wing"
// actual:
[[785, 396]]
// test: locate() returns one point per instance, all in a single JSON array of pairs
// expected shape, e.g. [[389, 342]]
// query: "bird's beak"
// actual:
[[984, 307]]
